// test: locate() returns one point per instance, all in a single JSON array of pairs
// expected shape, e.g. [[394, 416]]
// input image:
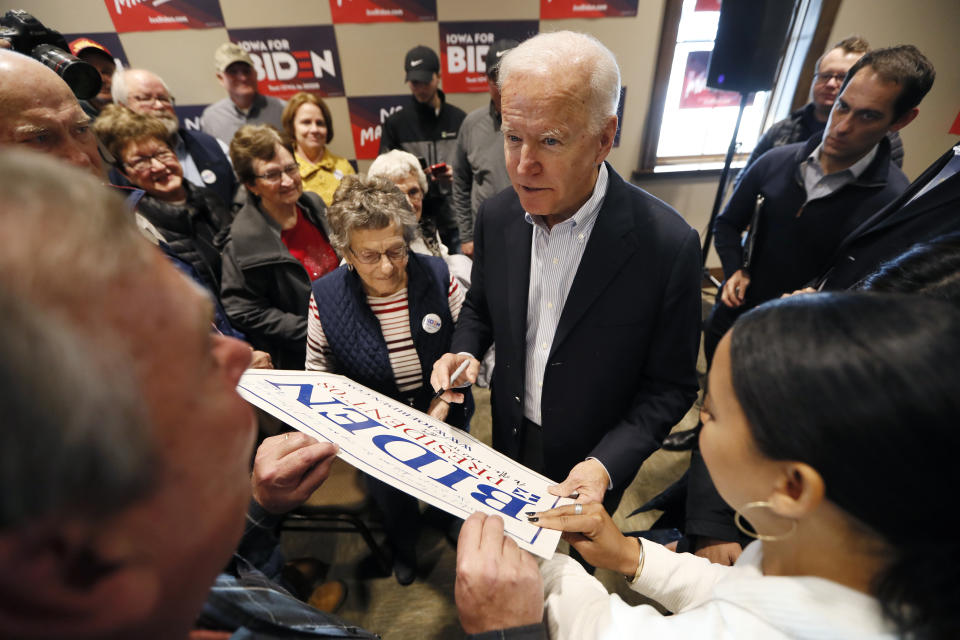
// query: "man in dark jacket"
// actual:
[[204, 159], [814, 195], [427, 127], [811, 118]]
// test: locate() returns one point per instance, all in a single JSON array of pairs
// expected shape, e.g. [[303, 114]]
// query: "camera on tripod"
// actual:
[[29, 36]]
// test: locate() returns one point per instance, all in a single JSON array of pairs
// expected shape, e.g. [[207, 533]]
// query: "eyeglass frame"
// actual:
[[275, 175], [164, 100], [825, 78], [147, 161], [403, 249]]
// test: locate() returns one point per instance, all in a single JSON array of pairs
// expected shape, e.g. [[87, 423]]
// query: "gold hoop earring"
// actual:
[[739, 514]]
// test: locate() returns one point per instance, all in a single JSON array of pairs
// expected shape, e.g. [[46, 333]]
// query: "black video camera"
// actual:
[[27, 35]]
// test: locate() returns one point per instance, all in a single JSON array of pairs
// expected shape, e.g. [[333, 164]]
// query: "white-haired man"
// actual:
[[38, 111], [588, 285], [204, 159]]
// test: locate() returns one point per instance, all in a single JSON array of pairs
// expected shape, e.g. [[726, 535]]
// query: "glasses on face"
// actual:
[[145, 163], [275, 175], [396, 254], [824, 78], [145, 99]]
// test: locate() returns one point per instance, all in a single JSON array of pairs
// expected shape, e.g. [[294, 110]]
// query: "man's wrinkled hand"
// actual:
[[588, 480], [444, 367], [498, 584], [288, 468]]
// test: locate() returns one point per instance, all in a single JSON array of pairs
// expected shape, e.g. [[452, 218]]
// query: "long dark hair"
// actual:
[[864, 388]]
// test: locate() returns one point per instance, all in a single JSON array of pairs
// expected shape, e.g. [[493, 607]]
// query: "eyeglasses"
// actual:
[[395, 254], [274, 175], [143, 99], [415, 193], [824, 78], [145, 163]]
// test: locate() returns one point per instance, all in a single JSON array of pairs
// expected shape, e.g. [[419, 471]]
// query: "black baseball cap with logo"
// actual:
[[420, 64], [495, 53]]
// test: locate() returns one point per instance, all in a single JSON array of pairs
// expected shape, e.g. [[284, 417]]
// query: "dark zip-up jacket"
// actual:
[[417, 128], [265, 290], [795, 241]]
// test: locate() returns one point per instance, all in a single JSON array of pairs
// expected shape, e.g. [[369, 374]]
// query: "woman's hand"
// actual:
[[594, 534]]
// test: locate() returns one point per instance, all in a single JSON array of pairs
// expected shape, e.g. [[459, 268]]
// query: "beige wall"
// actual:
[[371, 58]]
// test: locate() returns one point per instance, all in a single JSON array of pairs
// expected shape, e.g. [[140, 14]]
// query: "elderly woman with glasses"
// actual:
[[306, 120], [382, 319], [403, 169], [184, 216], [277, 245]]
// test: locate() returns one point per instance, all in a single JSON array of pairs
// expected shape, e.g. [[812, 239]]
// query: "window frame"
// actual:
[[783, 99]]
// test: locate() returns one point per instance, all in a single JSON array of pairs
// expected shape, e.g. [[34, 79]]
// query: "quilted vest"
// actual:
[[353, 331]]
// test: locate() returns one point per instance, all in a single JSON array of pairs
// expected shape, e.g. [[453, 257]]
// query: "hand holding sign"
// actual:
[[498, 584]]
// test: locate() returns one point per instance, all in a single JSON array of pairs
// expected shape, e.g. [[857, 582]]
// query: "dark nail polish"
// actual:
[[530, 513], [534, 519]]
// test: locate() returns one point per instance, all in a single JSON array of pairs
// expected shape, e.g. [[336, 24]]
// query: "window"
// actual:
[[689, 125]]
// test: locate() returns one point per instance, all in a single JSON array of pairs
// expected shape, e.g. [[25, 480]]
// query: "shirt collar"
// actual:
[[856, 169], [585, 213]]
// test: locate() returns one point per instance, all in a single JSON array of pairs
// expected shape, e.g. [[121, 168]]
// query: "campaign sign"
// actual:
[[189, 115], [695, 94], [463, 50], [108, 39], [367, 115], [409, 450], [383, 10], [160, 15], [293, 59], [557, 9]]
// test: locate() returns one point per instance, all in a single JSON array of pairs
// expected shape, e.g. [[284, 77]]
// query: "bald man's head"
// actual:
[[38, 111]]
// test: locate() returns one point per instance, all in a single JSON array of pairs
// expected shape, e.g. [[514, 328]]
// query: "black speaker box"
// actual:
[[748, 43]]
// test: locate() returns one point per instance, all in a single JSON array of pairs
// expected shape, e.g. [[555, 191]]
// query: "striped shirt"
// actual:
[[393, 314], [554, 260]]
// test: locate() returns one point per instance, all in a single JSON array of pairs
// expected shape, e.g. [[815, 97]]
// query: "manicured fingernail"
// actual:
[[530, 513], [534, 519]]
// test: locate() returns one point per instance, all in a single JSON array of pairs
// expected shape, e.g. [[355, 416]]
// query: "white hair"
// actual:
[[397, 165], [118, 84], [562, 52]]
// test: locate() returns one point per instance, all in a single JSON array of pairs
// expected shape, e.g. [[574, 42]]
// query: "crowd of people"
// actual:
[[151, 265]]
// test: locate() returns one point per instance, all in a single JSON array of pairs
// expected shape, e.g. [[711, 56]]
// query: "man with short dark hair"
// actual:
[[243, 104], [97, 55], [427, 127], [810, 119], [204, 159], [810, 196], [480, 169]]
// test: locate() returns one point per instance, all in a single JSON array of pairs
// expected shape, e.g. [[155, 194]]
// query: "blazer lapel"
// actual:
[[611, 244], [519, 235]]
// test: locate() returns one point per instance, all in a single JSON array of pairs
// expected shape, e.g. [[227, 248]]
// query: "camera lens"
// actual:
[[82, 78]]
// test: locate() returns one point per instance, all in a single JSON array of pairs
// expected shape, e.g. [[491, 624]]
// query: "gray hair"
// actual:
[[75, 435], [572, 55], [397, 165], [368, 202], [118, 84]]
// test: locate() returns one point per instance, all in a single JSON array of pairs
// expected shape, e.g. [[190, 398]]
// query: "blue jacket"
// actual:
[[795, 242], [353, 331]]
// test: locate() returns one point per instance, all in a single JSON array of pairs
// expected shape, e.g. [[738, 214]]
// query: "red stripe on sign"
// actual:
[[301, 54]]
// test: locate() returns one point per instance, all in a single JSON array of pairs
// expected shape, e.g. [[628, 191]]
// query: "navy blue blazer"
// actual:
[[622, 368], [895, 228]]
